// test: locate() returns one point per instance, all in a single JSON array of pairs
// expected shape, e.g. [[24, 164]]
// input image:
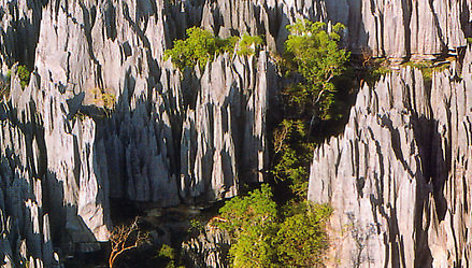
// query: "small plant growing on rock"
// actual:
[[196, 226], [200, 47], [167, 257], [24, 75], [103, 98], [427, 68], [248, 45]]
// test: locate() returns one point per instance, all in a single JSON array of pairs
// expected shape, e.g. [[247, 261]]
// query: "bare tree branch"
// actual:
[[122, 236]]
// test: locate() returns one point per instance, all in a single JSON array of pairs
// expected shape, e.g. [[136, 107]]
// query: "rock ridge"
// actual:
[[171, 138], [397, 177]]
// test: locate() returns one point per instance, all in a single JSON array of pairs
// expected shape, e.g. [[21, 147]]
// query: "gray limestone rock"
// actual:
[[208, 249], [166, 137], [397, 178], [171, 137]]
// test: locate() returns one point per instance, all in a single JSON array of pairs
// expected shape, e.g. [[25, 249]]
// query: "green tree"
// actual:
[[263, 237], [315, 60], [252, 223], [314, 53], [301, 239], [199, 47]]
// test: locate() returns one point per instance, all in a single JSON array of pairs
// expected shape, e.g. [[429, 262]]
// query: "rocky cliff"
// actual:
[[400, 29], [166, 137], [105, 117], [398, 178]]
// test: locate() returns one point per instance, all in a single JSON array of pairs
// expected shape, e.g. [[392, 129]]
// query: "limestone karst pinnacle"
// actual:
[[399, 175]]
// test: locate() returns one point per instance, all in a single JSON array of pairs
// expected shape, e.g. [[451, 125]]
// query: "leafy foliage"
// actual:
[[293, 152], [263, 238], [200, 47], [314, 60], [24, 74], [196, 226], [314, 53], [248, 45], [301, 238], [167, 257], [103, 98], [251, 221]]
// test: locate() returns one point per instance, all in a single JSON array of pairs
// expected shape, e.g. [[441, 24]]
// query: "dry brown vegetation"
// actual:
[[124, 238]]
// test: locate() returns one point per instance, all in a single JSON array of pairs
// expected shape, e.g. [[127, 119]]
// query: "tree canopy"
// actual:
[[264, 235], [201, 46], [314, 53]]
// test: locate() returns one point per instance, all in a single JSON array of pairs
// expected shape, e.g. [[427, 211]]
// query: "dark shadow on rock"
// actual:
[[434, 173], [66, 225], [20, 189], [22, 34], [433, 147]]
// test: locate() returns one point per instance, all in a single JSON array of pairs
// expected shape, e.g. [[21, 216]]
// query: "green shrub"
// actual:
[[469, 40], [196, 226], [301, 238], [200, 47], [251, 222], [263, 237], [167, 257], [248, 45], [256, 209], [24, 75], [427, 68]]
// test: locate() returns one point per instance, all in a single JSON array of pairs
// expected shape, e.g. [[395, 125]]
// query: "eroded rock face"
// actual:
[[19, 31], [401, 29], [170, 137], [209, 249], [167, 137], [398, 177], [381, 28], [24, 218]]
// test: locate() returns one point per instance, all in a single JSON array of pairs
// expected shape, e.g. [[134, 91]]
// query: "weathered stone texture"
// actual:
[[167, 138], [171, 137], [398, 178]]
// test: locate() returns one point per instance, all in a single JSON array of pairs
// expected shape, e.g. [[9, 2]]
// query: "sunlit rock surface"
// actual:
[[398, 178], [172, 138]]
